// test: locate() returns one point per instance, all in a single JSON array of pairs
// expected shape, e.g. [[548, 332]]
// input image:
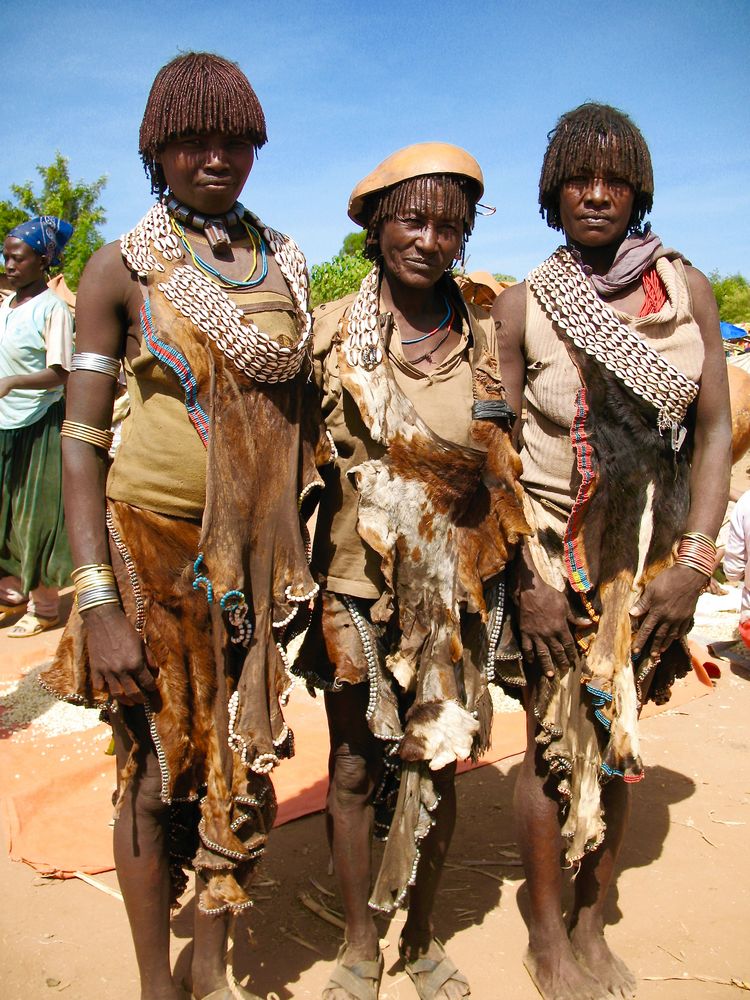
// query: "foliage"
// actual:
[[354, 243], [335, 278], [505, 277], [732, 297], [77, 202]]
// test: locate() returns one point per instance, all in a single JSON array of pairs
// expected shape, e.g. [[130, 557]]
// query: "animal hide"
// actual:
[[443, 519]]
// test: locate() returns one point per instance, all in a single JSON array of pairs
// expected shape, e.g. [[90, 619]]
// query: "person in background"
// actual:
[[736, 562], [36, 350]]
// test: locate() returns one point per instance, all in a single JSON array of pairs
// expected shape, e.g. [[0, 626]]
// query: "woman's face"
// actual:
[[23, 266], [207, 172], [420, 245], [595, 211]]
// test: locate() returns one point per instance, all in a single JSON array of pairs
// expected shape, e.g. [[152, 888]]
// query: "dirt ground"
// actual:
[[679, 914], [681, 907]]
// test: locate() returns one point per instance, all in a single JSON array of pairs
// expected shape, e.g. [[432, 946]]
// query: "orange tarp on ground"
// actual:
[[55, 789]]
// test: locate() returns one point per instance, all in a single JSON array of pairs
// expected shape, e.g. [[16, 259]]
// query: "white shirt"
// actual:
[[33, 336], [736, 562]]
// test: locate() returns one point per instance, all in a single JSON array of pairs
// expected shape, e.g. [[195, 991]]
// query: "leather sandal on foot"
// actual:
[[30, 625], [361, 981], [236, 992], [429, 976], [8, 611]]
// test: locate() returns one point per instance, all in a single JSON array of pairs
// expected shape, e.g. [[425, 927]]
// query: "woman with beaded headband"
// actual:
[[36, 347], [612, 346], [191, 563], [420, 508]]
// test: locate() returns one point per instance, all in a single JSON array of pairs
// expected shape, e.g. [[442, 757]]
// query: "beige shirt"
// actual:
[[442, 398], [552, 381]]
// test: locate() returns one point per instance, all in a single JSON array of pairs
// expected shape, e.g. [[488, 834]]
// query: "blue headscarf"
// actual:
[[45, 234]]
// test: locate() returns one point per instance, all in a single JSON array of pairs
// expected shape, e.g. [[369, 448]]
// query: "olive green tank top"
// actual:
[[160, 464]]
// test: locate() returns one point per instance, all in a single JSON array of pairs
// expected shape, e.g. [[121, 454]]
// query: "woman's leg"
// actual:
[[355, 768], [417, 938], [142, 858], [550, 959]]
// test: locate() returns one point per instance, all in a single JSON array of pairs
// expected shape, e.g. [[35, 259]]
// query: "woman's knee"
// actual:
[[352, 781]]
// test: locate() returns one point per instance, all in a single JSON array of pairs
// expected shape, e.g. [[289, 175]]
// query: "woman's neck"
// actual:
[[402, 299], [599, 259], [30, 291]]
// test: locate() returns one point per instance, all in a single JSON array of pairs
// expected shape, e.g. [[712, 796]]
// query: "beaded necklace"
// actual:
[[427, 356], [448, 318], [212, 272]]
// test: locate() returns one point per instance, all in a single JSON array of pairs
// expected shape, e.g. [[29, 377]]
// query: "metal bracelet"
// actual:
[[85, 432], [87, 361]]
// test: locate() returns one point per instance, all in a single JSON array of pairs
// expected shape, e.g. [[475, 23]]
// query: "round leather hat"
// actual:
[[415, 161]]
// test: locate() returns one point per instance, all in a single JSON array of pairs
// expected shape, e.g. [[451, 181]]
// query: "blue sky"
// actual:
[[345, 84]]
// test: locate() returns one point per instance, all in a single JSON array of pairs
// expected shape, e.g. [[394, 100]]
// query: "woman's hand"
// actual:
[[116, 656], [545, 620], [666, 607], [7, 384]]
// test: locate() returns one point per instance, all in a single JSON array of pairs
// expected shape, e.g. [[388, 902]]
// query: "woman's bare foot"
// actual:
[[558, 976], [595, 955]]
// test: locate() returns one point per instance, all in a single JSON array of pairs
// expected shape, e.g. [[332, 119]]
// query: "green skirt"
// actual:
[[33, 539]]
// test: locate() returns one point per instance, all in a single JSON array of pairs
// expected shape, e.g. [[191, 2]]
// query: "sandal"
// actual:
[[32, 624], [10, 610], [361, 981], [234, 992], [429, 976]]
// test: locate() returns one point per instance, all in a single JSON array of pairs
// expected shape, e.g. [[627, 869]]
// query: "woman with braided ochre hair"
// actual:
[[420, 508], [613, 347], [191, 562]]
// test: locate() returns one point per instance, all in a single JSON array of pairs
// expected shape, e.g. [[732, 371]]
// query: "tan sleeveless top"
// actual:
[[552, 381], [160, 464]]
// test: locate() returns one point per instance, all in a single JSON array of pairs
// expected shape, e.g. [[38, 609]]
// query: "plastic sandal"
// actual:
[[30, 625]]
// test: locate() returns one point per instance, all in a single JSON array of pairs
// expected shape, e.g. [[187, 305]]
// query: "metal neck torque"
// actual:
[[216, 228]]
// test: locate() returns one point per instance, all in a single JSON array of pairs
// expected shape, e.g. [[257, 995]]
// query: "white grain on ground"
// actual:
[[31, 712]]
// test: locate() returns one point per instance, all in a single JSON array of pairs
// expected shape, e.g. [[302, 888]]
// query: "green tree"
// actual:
[[338, 277], [354, 244], [77, 202], [732, 294], [505, 277]]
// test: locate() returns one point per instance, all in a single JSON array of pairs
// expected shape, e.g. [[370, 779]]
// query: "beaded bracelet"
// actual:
[[87, 361], [87, 433], [698, 551]]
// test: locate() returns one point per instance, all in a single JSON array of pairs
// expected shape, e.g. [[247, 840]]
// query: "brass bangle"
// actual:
[[692, 564], [79, 571], [699, 536], [93, 576], [87, 433]]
